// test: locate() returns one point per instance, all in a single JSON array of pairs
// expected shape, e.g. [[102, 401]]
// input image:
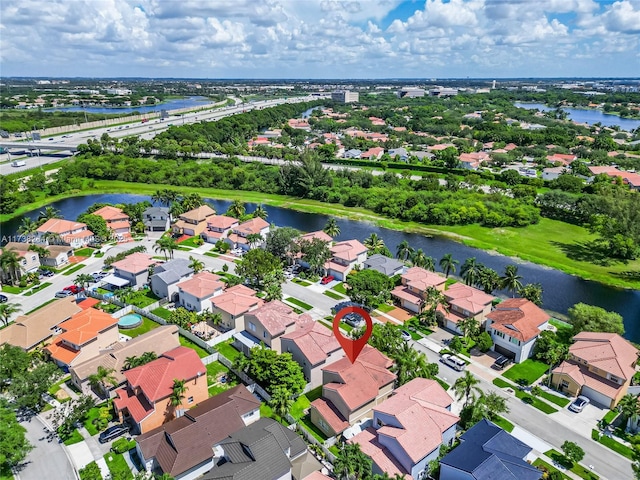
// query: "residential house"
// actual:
[[37, 328], [265, 449], [472, 161], [351, 390], [60, 231], [514, 326], [194, 222], [117, 221], [553, 173], [146, 400], [300, 124], [195, 294], [165, 278], [57, 257], [183, 448], [238, 238], [319, 234], [629, 178], [562, 159], [353, 153], [133, 270], [345, 256], [266, 324], [82, 337], [464, 302], [415, 282], [400, 154], [486, 452], [385, 265], [156, 219], [114, 357], [233, 303], [218, 228], [312, 346], [374, 153], [29, 260], [409, 428], [600, 366]]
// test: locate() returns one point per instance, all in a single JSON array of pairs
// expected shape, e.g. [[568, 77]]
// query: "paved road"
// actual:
[[48, 460]]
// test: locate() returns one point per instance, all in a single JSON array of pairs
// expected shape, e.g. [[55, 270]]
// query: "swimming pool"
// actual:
[[130, 320]]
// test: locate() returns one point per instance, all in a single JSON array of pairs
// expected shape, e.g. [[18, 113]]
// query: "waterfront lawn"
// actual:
[[162, 313], [300, 303], [528, 371], [73, 269], [330, 294], [118, 466], [185, 342], [147, 326]]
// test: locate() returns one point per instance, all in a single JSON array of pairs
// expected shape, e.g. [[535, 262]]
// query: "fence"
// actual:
[[253, 387], [314, 441], [210, 359], [223, 337]]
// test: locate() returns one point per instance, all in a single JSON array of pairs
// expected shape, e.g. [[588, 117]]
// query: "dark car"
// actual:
[[501, 362], [112, 432], [46, 273], [4, 298], [353, 319]]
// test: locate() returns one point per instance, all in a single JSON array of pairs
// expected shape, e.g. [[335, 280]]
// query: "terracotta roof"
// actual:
[[255, 225], [155, 378], [582, 376], [381, 456], [88, 303], [421, 279], [518, 318], [330, 414], [29, 330], [119, 224], [274, 316], [85, 326], [201, 285], [236, 300], [319, 234], [336, 267], [405, 294], [235, 238], [185, 442], [606, 351], [60, 225], [134, 263], [221, 221], [198, 214], [81, 234], [110, 213], [314, 341], [317, 475], [137, 405], [468, 298], [348, 250]]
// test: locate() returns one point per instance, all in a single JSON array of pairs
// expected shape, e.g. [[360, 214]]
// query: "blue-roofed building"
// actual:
[[487, 452]]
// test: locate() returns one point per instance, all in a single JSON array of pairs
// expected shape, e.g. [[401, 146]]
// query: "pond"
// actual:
[[591, 117], [168, 105], [561, 291]]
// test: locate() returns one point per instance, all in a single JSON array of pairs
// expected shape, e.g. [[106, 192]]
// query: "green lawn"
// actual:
[[190, 242], [613, 445], [37, 288], [73, 269], [305, 422], [534, 402], [118, 466], [330, 294], [185, 342], [299, 281], [162, 313], [542, 465], [575, 468], [57, 386], [560, 401], [504, 424], [299, 303], [147, 326], [14, 290], [142, 298], [340, 288], [443, 384], [299, 406], [213, 370], [314, 394], [228, 351], [384, 308], [84, 252], [559, 323], [529, 371], [610, 416], [75, 437], [212, 254], [5, 473], [93, 414]]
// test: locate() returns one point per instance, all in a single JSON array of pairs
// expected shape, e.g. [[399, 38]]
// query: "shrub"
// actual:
[[123, 445], [484, 342]]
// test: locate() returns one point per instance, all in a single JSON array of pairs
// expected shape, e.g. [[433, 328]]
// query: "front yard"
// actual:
[[526, 372]]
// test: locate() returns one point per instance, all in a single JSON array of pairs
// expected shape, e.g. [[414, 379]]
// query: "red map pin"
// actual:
[[352, 348]]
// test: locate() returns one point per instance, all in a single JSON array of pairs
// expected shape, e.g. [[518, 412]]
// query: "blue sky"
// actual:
[[320, 38]]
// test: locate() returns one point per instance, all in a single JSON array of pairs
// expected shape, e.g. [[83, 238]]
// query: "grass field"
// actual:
[[384, 308], [299, 281], [560, 401], [504, 423], [299, 303], [118, 466], [613, 445], [190, 242], [228, 351], [340, 288], [73, 269], [37, 288], [529, 371], [541, 464], [147, 326], [575, 468], [535, 402], [330, 294], [74, 438], [185, 342], [85, 252], [161, 312]]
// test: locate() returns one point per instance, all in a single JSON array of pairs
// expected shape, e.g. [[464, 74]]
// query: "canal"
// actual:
[[583, 115], [173, 104], [561, 290]]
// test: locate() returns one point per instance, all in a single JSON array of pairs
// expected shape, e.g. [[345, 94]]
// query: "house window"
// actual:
[[252, 327], [564, 384], [379, 423], [264, 334], [514, 340], [323, 425], [190, 400], [615, 379]]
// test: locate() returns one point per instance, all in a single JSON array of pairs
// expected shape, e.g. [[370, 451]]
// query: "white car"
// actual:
[[453, 362], [579, 403]]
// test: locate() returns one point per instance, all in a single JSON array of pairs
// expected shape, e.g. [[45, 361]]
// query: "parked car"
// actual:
[[354, 320], [327, 279], [63, 294], [579, 403], [453, 362], [73, 289], [112, 432], [406, 336], [46, 273], [501, 362], [4, 299]]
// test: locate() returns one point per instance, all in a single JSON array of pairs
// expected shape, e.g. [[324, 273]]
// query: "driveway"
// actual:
[[48, 459]]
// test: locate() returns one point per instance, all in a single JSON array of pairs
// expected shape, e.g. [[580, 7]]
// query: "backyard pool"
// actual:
[[130, 320]]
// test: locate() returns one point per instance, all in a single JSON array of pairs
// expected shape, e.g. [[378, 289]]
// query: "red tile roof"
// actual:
[[60, 225], [582, 376], [274, 316], [518, 318], [468, 298], [314, 341], [134, 263], [201, 285], [606, 351], [348, 250], [110, 213], [382, 457], [331, 415], [421, 279], [318, 234], [137, 405], [221, 221], [255, 225], [237, 300]]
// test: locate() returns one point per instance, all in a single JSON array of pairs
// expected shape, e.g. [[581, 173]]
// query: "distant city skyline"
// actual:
[[320, 39]]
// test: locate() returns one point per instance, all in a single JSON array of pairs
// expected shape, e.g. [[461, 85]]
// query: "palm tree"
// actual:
[[332, 228], [101, 378], [41, 251], [470, 327], [176, 209], [196, 265], [410, 364], [165, 245], [10, 265], [628, 407], [404, 251], [27, 227], [7, 310], [83, 280], [47, 214], [491, 405], [236, 209], [130, 362], [177, 392], [418, 258], [158, 197], [470, 271], [351, 463], [191, 201], [374, 243], [488, 280], [260, 211], [429, 264], [448, 264], [281, 401], [254, 239], [511, 280], [466, 387]]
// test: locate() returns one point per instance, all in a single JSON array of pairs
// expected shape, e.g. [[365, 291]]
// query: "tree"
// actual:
[[47, 214], [511, 280], [374, 243], [254, 239], [532, 292], [273, 287], [236, 209], [83, 280], [488, 280], [14, 363], [410, 364], [166, 245], [196, 265], [97, 225], [368, 287], [448, 264], [470, 271], [466, 387], [14, 445], [178, 389], [484, 342], [92, 472], [629, 408], [404, 251], [572, 452], [281, 401], [273, 370], [65, 420], [281, 243], [102, 378], [256, 264], [492, 405], [589, 318], [351, 463], [191, 201], [386, 338], [41, 251], [332, 228], [470, 327], [316, 253], [260, 211], [183, 318], [27, 227], [420, 259], [28, 389], [432, 299], [7, 310], [10, 265]]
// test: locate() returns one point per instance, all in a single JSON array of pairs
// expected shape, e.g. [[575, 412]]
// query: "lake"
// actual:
[[168, 105], [561, 291], [591, 117]]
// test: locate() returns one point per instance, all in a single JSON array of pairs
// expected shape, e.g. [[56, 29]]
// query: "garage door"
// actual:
[[503, 351], [596, 397]]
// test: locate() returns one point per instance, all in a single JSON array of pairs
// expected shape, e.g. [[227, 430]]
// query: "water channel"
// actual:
[[582, 115], [168, 105], [561, 291]]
